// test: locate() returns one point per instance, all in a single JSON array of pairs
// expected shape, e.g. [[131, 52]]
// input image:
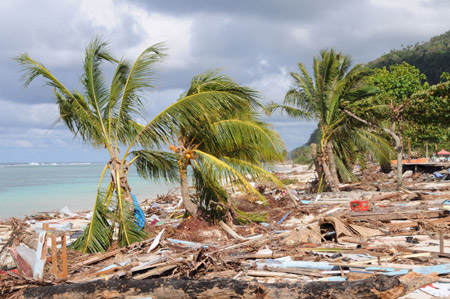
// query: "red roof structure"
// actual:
[[443, 153]]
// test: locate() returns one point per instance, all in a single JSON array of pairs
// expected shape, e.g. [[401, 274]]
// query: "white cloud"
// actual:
[[21, 143], [27, 115], [175, 32], [273, 86], [104, 13]]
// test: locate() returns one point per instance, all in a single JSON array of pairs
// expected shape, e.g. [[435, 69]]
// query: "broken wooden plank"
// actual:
[[382, 259], [388, 216], [230, 231], [404, 225], [384, 196], [155, 272], [98, 258], [308, 272], [272, 274]]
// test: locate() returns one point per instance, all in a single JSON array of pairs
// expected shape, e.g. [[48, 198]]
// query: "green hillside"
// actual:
[[302, 154], [431, 58]]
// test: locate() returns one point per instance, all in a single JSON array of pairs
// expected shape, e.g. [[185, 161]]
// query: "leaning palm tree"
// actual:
[[105, 116], [229, 152], [320, 98]]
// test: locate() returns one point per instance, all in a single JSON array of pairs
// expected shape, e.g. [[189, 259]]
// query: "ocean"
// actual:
[[35, 187]]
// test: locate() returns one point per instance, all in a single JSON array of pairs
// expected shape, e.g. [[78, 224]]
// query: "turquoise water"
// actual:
[[29, 188]]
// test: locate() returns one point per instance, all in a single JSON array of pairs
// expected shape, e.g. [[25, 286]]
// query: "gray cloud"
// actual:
[[256, 42]]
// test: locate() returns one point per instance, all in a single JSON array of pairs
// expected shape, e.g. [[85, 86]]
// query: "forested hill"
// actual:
[[431, 58]]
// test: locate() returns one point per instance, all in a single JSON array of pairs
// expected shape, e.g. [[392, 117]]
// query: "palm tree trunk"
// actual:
[[399, 149], [331, 161], [187, 202], [122, 180], [326, 170]]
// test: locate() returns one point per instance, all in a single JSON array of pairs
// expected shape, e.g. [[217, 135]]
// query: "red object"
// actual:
[[443, 152], [359, 205]]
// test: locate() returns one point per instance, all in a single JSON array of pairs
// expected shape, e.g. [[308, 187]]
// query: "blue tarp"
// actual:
[[437, 175], [139, 215]]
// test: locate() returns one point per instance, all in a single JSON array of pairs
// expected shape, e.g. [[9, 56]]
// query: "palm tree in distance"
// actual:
[[103, 115], [334, 83]]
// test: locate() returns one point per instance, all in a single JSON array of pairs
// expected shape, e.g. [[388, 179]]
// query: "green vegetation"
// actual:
[[431, 58], [430, 110], [303, 154], [387, 111]]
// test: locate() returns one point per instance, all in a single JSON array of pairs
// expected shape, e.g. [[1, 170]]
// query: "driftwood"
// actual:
[[377, 286]]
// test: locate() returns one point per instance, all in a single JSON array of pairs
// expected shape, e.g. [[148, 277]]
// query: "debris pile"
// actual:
[[325, 245]]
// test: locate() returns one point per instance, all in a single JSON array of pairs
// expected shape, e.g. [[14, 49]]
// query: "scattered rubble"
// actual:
[[317, 248]]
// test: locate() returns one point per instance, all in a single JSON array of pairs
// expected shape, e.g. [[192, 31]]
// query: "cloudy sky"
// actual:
[[257, 42]]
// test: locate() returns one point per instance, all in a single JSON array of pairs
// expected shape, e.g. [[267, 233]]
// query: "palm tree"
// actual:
[[230, 151], [321, 98], [103, 115]]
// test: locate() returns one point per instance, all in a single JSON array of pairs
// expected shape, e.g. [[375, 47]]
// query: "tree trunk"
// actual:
[[332, 163], [399, 149], [376, 286], [327, 172], [187, 202], [122, 180]]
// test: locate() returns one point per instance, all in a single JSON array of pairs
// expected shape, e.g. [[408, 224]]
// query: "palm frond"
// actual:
[[220, 171], [93, 80], [253, 171], [33, 69], [97, 236], [291, 111], [156, 165], [211, 197], [129, 231], [187, 113], [140, 77], [213, 80], [236, 133], [74, 109]]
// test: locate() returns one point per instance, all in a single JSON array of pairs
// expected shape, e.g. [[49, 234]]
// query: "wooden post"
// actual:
[[441, 242], [426, 151], [54, 258], [64, 256], [409, 150]]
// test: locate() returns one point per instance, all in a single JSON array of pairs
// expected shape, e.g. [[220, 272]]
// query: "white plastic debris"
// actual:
[[68, 212]]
